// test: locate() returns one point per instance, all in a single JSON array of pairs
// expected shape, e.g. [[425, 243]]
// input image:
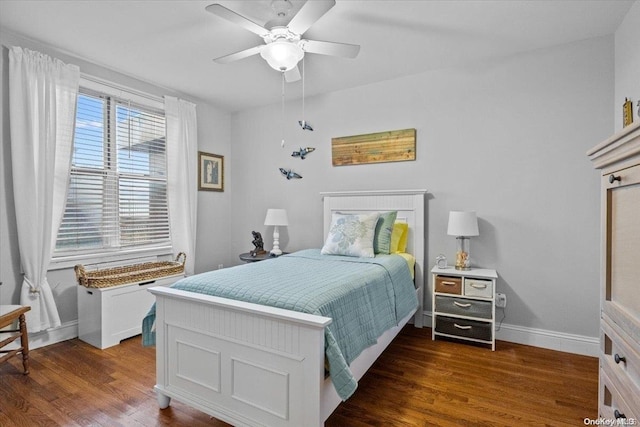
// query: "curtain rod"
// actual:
[[94, 79], [122, 88]]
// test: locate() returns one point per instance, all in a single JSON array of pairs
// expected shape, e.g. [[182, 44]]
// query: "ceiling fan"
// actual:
[[284, 46]]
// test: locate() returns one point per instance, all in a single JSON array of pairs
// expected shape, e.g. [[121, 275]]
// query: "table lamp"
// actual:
[[276, 217], [462, 225]]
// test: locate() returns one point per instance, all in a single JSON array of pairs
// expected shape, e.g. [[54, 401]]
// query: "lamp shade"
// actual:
[[276, 217], [282, 55], [463, 224]]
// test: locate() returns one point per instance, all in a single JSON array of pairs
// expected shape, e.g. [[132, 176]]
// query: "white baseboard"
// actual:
[[64, 332], [560, 341]]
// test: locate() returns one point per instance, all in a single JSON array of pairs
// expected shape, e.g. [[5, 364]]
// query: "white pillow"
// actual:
[[351, 235]]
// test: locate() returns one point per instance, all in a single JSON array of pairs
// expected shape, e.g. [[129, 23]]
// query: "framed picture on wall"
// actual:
[[210, 172]]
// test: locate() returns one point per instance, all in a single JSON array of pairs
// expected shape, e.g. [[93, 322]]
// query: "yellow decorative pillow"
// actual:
[[399, 237]]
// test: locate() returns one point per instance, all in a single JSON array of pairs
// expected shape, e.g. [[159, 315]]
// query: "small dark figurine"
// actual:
[[289, 173], [258, 243]]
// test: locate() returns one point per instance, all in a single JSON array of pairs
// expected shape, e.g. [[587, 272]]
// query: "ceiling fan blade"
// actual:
[[239, 55], [293, 75], [310, 12], [344, 50], [231, 16]]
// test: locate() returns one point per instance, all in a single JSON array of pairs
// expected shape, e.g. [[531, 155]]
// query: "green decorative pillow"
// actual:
[[384, 228], [351, 235], [399, 237]]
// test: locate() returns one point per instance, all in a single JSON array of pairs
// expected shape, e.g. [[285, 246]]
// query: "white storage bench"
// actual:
[[110, 314]]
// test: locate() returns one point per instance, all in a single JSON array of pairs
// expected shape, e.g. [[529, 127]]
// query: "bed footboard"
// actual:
[[246, 364]]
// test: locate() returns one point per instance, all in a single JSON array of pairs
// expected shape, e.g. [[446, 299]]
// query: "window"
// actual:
[[117, 197]]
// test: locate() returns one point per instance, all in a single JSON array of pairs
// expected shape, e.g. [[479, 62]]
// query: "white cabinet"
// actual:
[[108, 315], [618, 159], [464, 304]]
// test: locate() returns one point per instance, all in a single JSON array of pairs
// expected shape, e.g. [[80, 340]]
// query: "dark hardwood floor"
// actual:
[[416, 382]]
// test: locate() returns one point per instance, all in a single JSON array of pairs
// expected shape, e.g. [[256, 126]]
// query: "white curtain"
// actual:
[[42, 108], [182, 170]]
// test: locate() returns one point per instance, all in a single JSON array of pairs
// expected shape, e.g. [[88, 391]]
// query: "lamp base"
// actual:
[[462, 256], [276, 251]]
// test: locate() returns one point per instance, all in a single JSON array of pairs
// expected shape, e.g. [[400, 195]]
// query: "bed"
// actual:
[[256, 365]]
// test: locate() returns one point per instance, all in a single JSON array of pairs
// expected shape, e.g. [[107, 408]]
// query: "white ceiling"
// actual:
[[172, 43]]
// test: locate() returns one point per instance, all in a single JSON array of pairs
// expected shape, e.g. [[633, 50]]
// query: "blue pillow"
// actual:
[[351, 235]]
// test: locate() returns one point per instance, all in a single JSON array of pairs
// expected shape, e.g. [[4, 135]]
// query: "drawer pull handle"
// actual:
[[146, 283], [465, 327], [613, 178], [619, 358], [479, 285], [449, 283], [459, 304], [618, 414]]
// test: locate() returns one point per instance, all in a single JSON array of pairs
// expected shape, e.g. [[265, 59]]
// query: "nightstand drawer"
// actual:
[[464, 307], [464, 328], [449, 285], [478, 288]]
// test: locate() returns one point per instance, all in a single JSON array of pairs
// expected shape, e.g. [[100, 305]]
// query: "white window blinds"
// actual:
[[118, 190]]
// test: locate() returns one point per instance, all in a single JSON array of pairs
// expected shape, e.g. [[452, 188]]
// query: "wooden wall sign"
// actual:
[[627, 112], [391, 146]]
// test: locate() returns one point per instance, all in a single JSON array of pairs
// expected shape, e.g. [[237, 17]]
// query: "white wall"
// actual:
[[213, 209], [506, 138], [8, 238], [627, 68]]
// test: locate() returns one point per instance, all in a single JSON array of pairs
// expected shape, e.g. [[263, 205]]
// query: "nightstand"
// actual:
[[464, 304], [247, 257]]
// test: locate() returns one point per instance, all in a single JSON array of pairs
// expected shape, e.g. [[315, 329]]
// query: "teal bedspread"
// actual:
[[363, 296]]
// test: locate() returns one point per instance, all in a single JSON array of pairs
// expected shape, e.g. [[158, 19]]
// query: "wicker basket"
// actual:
[[130, 273]]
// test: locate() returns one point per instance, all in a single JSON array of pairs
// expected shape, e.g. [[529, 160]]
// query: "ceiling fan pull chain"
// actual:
[[303, 123], [282, 121]]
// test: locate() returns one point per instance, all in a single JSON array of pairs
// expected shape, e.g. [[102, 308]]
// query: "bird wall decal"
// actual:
[[305, 125], [289, 174], [302, 153]]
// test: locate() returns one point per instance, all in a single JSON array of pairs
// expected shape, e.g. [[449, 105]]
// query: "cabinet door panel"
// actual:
[[622, 291]]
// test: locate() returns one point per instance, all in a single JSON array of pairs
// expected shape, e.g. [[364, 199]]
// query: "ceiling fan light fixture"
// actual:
[[282, 55]]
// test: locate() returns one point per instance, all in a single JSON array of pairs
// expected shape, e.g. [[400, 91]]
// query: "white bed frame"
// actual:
[[253, 365]]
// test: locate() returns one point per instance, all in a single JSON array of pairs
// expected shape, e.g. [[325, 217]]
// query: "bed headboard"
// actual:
[[410, 207]]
